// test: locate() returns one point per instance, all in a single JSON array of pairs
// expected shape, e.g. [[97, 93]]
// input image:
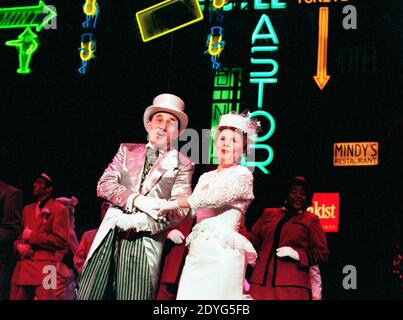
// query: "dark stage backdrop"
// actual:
[[55, 121]]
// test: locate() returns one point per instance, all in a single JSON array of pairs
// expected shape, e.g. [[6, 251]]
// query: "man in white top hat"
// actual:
[[124, 259]]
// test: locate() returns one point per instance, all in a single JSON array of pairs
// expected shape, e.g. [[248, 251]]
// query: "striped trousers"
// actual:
[[118, 269]]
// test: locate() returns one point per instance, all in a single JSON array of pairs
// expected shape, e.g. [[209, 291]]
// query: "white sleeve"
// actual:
[[232, 187]]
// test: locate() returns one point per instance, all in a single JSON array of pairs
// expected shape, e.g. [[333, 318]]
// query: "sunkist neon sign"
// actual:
[[262, 35]]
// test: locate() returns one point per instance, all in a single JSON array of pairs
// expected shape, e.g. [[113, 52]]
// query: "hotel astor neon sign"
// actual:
[[264, 40]]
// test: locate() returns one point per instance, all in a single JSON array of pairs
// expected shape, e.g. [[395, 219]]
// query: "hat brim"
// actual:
[[182, 117]]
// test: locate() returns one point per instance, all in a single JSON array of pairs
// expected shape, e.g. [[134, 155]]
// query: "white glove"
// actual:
[[136, 221], [148, 205], [287, 252], [176, 236], [112, 216], [167, 206]]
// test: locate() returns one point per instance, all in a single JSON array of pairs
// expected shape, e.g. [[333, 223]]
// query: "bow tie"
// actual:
[[152, 153]]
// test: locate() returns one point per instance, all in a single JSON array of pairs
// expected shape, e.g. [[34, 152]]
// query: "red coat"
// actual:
[[301, 232], [84, 247], [11, 203], [174, 258], [50, 232]]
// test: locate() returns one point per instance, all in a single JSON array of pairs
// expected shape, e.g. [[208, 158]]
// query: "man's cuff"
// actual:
[[129, 202]]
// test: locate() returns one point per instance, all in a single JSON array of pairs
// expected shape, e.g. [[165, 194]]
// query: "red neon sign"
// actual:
[[326, 206]]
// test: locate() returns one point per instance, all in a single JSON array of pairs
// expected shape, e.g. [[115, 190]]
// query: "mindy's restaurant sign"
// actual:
[[356, 154]]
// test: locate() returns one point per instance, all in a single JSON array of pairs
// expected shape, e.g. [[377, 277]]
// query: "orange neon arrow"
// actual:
[[321, 78]]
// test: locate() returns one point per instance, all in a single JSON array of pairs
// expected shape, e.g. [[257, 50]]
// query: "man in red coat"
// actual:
[[46, 231], [175, 252], [86, 241]]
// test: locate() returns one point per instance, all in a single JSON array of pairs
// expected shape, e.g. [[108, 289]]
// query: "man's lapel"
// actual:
[[36, 221], [135, 166], [166, 161]]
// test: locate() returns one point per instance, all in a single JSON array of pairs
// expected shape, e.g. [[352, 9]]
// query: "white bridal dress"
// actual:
[[218, 255]]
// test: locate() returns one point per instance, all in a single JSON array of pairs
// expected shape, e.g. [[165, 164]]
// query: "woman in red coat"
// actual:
[[288, 241]]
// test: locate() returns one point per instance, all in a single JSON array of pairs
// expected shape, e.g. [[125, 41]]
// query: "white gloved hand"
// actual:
[[148, 205], [167, 206], [137, 221], [112, 216], [287, 252], [176, 236]]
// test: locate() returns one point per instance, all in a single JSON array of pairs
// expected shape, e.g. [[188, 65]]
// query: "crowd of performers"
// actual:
[[158, 238]]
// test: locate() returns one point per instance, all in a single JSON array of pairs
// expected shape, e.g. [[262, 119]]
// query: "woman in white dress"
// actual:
[[218, 255]]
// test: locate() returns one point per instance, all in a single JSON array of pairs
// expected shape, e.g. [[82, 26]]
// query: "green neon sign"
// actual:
[[26, 17], [275, 4], [26, 45], [226, 98], [262, 146]]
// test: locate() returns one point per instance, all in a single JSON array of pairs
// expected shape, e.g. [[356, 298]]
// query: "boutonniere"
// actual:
[[170, 162], [45, 214]]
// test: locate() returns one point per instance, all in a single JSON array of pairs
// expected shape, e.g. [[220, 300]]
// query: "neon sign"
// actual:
[[228, 6], [166, 17], [263, 77], [28, 17], [90, 7], [26, 45], [321, 78], [274, 4], [87, 47], [327, 207], [88, 42], [226, 98], [356, 154], [218, 4], [215, 44]]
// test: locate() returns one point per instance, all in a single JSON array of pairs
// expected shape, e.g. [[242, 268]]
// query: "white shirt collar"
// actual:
[[150, 145]]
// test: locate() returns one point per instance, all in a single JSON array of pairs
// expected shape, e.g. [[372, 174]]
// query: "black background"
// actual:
[[69, 126]]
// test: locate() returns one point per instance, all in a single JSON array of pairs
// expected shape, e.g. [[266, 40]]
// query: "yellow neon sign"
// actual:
[[166, 17], [218, 4], [90, 7], [214, 47], [321, 78], [215, 43], [87, 50]]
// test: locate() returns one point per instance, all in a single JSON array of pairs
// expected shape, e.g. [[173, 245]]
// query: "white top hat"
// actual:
[[169, 103], [241, 122]]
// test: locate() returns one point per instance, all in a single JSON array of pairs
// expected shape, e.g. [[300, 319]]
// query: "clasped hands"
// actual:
[[24, 248], [153, 207]]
